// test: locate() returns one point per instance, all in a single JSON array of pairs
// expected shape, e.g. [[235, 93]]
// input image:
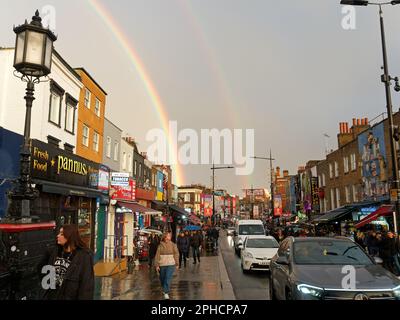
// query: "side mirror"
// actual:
[[283, 260], [378, 260]]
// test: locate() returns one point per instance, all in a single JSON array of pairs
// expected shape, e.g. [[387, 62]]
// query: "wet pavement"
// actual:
[[250, 286], [201, 281]]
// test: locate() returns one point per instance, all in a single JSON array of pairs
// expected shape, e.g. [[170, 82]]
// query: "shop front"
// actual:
[[68, 187]]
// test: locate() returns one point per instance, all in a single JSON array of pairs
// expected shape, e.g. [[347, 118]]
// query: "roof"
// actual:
[[91, 78], [250, 222], [65, 63]]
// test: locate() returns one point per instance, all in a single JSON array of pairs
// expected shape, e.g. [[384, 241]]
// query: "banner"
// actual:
[[277, 205], [128, 192]]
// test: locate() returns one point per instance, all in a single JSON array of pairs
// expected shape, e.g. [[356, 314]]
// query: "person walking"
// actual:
[[183, 244], [388, 251], [195, 243], [72, 263], [166, 261], [372, 244], [153, 245], [215, 236]]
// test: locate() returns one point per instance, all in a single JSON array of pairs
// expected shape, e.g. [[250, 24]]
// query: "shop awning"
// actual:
[[385, 210], [333, 215], [136, 207], [178, 210], [69, 190], [159, 205]]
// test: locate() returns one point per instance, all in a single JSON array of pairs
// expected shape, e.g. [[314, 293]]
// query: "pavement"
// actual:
[[207, 280]]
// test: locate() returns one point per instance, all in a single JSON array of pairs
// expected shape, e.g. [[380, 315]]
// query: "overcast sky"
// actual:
[[286, 69]]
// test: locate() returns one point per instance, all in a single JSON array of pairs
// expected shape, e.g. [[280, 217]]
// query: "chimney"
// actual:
[[360, 126], [354, 122], [344, 135], [278, 172], [285, 173]]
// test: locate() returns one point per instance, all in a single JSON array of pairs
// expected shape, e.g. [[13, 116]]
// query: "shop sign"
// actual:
[[128, 193], [104, 178], [54, 164], [120, 179], [277, 205]]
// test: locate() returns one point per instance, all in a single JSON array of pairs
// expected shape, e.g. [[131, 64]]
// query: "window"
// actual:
[[108, 147], [130, 163], [355, 194], [140, 170], [347, 191], [85, 136], [124, 161], [319, 180], [87, 98], [97, 109], [323, 179], [136, 172], [346, 164], [116, 151], [353, 162], [330, 171], [337, 197], [332, 199], [70, 118], [336, 169], [55, 108], [96, 141], [187, 197]]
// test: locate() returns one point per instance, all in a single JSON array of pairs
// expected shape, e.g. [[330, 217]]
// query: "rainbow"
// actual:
[[147, 82]]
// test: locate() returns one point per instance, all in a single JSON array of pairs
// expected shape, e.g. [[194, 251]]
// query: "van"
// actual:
[[246, 228]]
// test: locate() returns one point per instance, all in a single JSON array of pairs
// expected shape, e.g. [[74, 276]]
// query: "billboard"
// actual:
[[206, 204], [277, 205], [371, 145], [120, 189]]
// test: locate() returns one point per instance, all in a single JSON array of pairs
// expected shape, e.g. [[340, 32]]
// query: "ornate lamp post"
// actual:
[[32, 61]]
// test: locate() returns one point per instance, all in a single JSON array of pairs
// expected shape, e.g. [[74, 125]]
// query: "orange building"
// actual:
[[91, 113]]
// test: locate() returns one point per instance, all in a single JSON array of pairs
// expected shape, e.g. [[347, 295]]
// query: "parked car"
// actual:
[[257, 252], [322, 269], [246, 228]]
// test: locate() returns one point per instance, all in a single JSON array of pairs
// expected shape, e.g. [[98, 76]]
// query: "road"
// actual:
[[251, 286]]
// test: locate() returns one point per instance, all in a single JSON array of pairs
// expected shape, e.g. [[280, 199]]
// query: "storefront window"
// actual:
[[84, 220]]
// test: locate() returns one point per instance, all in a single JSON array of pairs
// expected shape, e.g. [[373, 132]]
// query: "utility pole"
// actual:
[[270, 159], [213, 188]]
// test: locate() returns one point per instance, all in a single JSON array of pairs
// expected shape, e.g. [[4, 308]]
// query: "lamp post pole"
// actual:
[[213, 188], [270, 159]]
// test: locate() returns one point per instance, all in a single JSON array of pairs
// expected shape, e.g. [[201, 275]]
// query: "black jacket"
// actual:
[[196, 240], [78, 281], [388, 248], [183, 244]]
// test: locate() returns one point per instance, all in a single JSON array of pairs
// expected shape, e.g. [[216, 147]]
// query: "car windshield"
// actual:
[[253, 229], [262, 243], [329, 252]]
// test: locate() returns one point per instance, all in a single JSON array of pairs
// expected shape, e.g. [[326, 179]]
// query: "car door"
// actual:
[[281, 272]]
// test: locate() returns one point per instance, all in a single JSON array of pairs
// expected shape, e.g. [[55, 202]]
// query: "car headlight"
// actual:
[[396, 292], [248, 255], [310, 290]]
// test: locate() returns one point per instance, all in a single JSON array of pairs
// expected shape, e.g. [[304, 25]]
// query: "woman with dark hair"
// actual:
[[72, 264]]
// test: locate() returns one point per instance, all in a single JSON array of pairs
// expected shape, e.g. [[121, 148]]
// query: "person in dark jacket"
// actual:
[[71, 275], [388, 251], [195, 242], [154, 241], [183, 244], [215, 237]]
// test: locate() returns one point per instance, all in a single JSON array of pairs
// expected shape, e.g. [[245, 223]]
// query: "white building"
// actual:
[[54, 111], [126, 157]]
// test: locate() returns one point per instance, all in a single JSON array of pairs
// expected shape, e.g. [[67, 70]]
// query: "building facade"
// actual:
[[112, 146]]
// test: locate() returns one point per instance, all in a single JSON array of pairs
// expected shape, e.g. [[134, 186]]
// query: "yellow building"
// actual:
[[91, 113]]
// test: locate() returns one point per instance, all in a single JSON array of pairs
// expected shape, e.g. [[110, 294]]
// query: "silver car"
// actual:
[[329, 269]]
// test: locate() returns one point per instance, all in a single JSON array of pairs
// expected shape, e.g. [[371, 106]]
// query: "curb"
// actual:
[[226, 285]]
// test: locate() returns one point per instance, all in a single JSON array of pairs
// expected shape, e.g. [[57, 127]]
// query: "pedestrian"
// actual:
[[153, 245], [372, 244], [183, 244], [166, 261], [195, 243], [388, 252], [73, 266], [360, 239], [215, 236]]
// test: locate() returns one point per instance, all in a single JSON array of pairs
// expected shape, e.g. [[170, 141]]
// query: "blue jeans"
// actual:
[[166, 274], [196, 253]]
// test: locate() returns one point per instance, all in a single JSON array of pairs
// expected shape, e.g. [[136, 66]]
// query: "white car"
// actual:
[[257, 251], [245, 228]]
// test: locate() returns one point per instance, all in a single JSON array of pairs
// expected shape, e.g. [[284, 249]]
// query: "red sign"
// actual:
[[124, 193], [208, 212]]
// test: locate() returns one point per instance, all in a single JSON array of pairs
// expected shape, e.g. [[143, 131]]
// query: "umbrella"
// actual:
[[192, 228]]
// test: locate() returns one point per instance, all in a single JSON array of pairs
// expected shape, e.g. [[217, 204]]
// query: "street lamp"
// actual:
[[387, 80], [213, 188], [32, 61]]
